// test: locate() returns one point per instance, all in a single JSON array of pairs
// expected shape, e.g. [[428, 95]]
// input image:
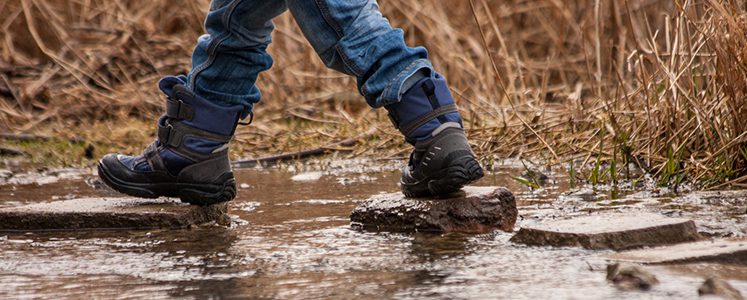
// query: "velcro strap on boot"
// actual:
[[163, 132], [154, 160], [177, 109], [172, 134], [409, 128]]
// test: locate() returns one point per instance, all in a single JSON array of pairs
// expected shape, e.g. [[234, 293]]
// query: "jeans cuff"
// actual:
[[396, 87]]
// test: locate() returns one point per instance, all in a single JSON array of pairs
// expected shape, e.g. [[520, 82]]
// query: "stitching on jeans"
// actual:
[[348, 62], [212, 48]]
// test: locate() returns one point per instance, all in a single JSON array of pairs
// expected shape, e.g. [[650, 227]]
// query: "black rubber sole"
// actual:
[[195, 194], [446, 181]]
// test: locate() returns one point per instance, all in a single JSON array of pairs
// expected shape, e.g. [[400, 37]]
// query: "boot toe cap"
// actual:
[[121, 168]]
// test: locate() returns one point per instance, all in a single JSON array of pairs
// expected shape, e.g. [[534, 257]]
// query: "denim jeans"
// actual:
[[350, 36]]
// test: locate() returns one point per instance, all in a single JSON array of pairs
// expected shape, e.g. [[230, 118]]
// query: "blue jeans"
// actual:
[[350, 36]]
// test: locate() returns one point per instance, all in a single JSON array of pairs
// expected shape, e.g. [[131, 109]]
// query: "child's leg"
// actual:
[[352, 36], [189, 159], [227, 60]]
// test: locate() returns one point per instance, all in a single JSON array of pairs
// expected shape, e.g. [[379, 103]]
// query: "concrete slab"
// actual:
[[475, 210], [732, 251], [609, 231], [108, 213]]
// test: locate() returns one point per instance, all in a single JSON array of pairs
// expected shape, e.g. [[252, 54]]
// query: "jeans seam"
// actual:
[[212, 48], [348, 62]]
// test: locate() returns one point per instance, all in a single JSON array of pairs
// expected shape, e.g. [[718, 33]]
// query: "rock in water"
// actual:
[[474, 210], [720, 288], [609, 231], [627, 276], [726, 251], [108, 213]]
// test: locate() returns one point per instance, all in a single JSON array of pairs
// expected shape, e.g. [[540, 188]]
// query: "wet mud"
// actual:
[[292, 238]]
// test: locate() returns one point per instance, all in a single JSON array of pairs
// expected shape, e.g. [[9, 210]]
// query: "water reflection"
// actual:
[[429, 247]]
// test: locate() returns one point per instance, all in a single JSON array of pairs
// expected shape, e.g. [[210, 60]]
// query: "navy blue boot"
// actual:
[[442, 162], [189, 158]]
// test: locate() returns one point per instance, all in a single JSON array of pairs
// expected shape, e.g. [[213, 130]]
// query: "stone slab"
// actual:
[[732, 251], [474, 210], [719, 288], [108, 213], [609, 231], [629, 276]]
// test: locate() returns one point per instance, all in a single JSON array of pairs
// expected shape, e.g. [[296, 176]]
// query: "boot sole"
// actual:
[[446, 181], [195, 194]]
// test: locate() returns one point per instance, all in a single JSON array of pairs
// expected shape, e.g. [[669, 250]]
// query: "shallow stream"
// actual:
[[291, 238]]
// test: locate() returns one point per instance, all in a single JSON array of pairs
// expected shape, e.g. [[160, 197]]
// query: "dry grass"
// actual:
[[658, 83]]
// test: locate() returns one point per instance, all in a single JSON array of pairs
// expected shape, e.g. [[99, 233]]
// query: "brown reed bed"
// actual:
[[655, 83]]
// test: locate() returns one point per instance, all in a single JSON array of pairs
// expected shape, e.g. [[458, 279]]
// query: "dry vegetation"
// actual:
[[657, 83]]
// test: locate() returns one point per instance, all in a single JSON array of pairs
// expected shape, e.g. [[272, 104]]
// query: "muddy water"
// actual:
[[291, 238]]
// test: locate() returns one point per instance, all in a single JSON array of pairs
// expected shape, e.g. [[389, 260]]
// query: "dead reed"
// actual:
[[656, 83]]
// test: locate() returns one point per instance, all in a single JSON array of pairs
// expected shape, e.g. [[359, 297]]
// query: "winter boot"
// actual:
[[189, 158], [442, 162]]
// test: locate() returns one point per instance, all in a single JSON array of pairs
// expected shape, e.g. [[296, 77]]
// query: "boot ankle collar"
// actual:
[[201, 113]]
